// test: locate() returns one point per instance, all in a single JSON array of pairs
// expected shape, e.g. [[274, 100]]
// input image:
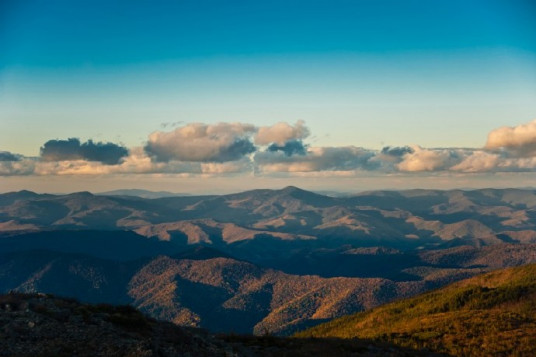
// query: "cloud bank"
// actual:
[[317, 159], [241, 148]]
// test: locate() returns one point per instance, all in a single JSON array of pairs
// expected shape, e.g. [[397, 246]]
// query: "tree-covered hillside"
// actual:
[[491, 314]]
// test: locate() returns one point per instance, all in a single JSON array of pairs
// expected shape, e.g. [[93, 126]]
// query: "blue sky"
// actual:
[[368, 74]]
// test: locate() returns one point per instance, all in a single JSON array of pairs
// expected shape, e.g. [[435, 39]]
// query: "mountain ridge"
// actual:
[[400, 219]]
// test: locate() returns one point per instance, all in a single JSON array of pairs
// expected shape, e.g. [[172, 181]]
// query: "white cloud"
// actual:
[[518, 140], [428, 159], [517, 164], [484, 161], [202, 143], [478, 161], [281, 132]]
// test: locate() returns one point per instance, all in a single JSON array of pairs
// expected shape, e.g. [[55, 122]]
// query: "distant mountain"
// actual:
[[492, 314], [87, 278], [402, 220], [113, 245], [141, 193]]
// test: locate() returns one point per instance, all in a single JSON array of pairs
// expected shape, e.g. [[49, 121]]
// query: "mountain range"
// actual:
[[262, 261], [406, 219]]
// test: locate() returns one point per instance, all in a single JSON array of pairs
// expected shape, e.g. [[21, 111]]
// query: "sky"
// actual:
[[222, 96]]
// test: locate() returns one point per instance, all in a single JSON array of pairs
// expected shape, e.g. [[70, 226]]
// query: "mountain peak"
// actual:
[[81, 194], [21, 193], [26, 192], [304, 195], [292, 189]]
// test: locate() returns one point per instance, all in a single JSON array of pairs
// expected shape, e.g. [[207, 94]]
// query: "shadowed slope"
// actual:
[[224, 294]]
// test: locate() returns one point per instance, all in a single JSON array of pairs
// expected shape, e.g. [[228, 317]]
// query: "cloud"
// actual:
[[519, 164], [484, 161], [281, 133], [232, 167], [72, 149], [238, 148], [171, 124], [137, 162], [421, 159], [478, 161], [397, 151], [7, 156], [202, 143], [291, 147], [518, 141], [390, 156], [22, 167], [317, 159]]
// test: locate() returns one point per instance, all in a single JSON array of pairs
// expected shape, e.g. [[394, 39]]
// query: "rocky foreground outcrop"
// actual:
[[43, 325]]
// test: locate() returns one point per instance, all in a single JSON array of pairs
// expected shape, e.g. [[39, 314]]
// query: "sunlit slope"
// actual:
[[491, 314]]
